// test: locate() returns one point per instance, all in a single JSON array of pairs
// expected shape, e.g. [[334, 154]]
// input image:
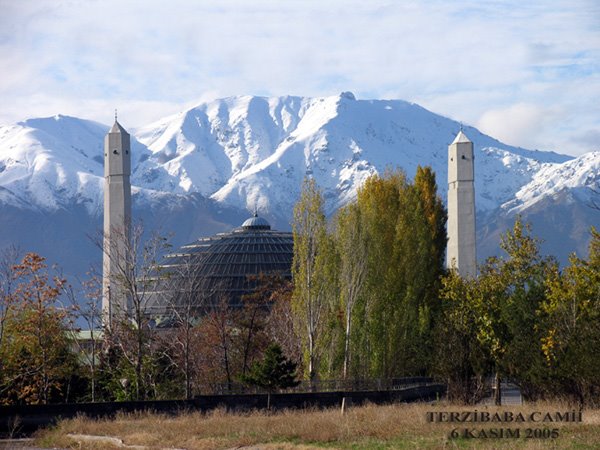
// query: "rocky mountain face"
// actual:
[[204, 170]]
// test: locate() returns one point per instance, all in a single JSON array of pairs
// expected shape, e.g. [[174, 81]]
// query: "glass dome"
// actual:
[[222, 267], [256, 223]]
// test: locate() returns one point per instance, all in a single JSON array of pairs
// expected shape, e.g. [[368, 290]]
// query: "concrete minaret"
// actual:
[[117, 220], [461, 207]]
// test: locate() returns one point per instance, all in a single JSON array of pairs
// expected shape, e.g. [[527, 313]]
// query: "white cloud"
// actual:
[[467, 59], [518, 124]]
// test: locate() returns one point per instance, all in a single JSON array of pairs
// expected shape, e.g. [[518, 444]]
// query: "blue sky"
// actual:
[[527, 73]]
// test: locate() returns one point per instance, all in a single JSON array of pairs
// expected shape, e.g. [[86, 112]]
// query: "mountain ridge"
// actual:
[[246, 152]]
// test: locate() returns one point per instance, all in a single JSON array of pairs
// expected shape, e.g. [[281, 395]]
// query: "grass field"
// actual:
[[400, 426]]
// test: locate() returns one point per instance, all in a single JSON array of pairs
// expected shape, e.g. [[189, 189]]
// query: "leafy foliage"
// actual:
[[460, 358], [404, 227], [368, 289], [571, 326], [37, 362], [275, 371], [511, 292], [312, 272], [369, 298]]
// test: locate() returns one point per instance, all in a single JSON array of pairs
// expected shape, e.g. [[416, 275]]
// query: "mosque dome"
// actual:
[[224, 266], [256, 223]]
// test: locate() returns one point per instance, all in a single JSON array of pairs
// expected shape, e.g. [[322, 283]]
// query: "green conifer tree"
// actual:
[[275, 371]]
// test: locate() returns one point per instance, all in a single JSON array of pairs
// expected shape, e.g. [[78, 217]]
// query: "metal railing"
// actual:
[[349, 385]]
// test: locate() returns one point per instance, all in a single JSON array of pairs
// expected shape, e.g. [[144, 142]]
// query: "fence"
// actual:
[[349, 385], [21, 420]]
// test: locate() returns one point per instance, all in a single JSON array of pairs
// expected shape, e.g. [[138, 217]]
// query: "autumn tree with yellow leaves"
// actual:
[[38, 365]]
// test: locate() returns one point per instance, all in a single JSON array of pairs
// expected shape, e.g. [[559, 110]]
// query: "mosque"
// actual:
[[205, 272], [223, 266]]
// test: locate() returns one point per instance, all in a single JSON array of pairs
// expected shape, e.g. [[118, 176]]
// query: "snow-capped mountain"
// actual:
[[50, 163], [51, 193], [254, 152], [202, 170], [560, 202], [580, 177]]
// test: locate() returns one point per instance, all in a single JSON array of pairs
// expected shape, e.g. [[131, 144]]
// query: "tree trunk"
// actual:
[[248, 341], [187, 356], [93, 368], [311, 361], [347, 342], [226, 357], [498, 391]]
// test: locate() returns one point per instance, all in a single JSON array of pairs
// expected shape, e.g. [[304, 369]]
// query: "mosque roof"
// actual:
[[225, 265]]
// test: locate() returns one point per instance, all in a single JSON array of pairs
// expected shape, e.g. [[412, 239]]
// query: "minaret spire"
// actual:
[[461, 207], [117, 221]]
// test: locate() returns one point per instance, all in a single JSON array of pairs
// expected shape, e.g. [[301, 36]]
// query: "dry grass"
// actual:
[[376, 427]]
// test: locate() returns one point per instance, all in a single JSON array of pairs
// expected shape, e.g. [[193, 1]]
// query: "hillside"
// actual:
[[204, 170]]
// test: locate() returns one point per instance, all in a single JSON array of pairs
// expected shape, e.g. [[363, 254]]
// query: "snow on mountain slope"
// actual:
[[580, 177], [51, 194], [57, 162], [49, 163], [254, 152], [340, 141], [250, 152], [203, 147]]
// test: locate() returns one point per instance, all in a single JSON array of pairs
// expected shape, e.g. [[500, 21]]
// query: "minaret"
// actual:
[[461, 207], [117, 221]]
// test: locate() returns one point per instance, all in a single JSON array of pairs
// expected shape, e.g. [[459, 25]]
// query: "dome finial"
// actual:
[[115, 114]]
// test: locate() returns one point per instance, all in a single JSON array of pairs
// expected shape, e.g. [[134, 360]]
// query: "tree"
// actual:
[[310, 272], [459, 356], [252, 318], [90, 311], [498, 314], [404, 225], [275, 371], [419, 248], [571, 325], [280, 323], [507, 297], [137, 278], [8, 261], [435, 215], [216, 355], [376, 310], [37, 362], [184, 291], [352, 245]]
